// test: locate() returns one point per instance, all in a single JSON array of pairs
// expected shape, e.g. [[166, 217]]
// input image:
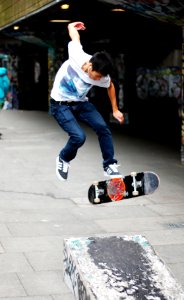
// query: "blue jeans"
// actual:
[[67, 116]]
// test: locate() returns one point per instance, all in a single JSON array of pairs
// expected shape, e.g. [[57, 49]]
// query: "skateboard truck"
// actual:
[[136, 184], [98, 192]]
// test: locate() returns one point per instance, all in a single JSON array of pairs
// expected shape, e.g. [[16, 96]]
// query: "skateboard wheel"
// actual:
[[97, 200], [133, 174], [135, 193]]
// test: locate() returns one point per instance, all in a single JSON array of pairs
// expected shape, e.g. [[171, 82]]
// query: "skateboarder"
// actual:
[[69, 103]]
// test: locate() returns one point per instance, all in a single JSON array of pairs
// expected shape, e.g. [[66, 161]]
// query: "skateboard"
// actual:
[[129, 186]]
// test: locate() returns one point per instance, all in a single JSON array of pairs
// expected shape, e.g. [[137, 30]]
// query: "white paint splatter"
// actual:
[[107, 284]]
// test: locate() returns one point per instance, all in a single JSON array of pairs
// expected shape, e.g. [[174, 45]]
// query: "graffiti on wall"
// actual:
[[72, 277], [158, 83], [10, 61]]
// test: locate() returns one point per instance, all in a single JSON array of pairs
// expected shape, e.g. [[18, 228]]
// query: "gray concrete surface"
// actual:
[[37, 211]]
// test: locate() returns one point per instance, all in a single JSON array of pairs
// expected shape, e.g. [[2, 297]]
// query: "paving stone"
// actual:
[[10, 286], [28, 298], [25, 244], [140, 223], [14, 262], [43, 283], [68, 296], [42, 261], [178, 271], [171, 253]]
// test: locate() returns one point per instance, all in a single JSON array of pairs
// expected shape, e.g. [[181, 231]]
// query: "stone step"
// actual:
[[117, 267]]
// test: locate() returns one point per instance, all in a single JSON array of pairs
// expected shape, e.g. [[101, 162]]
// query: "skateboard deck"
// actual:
[[117, 189]]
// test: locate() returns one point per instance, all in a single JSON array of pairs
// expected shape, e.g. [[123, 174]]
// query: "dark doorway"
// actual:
[[33, 78]]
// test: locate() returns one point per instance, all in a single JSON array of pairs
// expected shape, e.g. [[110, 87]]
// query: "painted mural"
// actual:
[[159, 83], [10, 62]]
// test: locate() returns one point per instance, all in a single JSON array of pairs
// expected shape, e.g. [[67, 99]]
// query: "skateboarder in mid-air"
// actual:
[[69, 103]]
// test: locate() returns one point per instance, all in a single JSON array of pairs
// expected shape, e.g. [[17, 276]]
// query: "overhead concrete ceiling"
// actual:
[[105, 29], [163, 10]]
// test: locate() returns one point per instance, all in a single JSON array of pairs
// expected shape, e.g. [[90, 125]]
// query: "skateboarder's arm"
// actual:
[[73, 30], [112, 96]]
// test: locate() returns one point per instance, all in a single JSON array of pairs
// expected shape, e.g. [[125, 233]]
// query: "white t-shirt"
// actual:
[[71, 82]]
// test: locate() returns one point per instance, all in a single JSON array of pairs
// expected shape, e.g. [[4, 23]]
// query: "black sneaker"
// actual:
[[61, 169], [112, 171]]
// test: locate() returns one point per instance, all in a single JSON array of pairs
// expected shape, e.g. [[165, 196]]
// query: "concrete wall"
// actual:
[[14, 10]]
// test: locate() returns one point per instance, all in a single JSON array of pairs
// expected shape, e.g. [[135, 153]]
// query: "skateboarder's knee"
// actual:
[[103, 129], [80, 139]]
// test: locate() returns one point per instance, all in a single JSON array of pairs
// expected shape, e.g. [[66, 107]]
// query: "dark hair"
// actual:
[[102, 63]]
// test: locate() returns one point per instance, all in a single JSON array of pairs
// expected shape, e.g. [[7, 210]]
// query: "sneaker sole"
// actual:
[[60, 178], [113, 176]]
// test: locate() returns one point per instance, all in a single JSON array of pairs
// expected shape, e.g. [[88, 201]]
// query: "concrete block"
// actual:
[[117, 267]]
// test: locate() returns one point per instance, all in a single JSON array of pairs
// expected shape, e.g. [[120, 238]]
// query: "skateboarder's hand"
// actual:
[[77, 25], [118, 115], [73, 29]]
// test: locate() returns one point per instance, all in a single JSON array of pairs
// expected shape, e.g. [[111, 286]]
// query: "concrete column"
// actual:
[[181, 112]]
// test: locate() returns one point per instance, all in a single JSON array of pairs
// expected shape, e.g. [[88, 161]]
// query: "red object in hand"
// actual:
[[79, 26]]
